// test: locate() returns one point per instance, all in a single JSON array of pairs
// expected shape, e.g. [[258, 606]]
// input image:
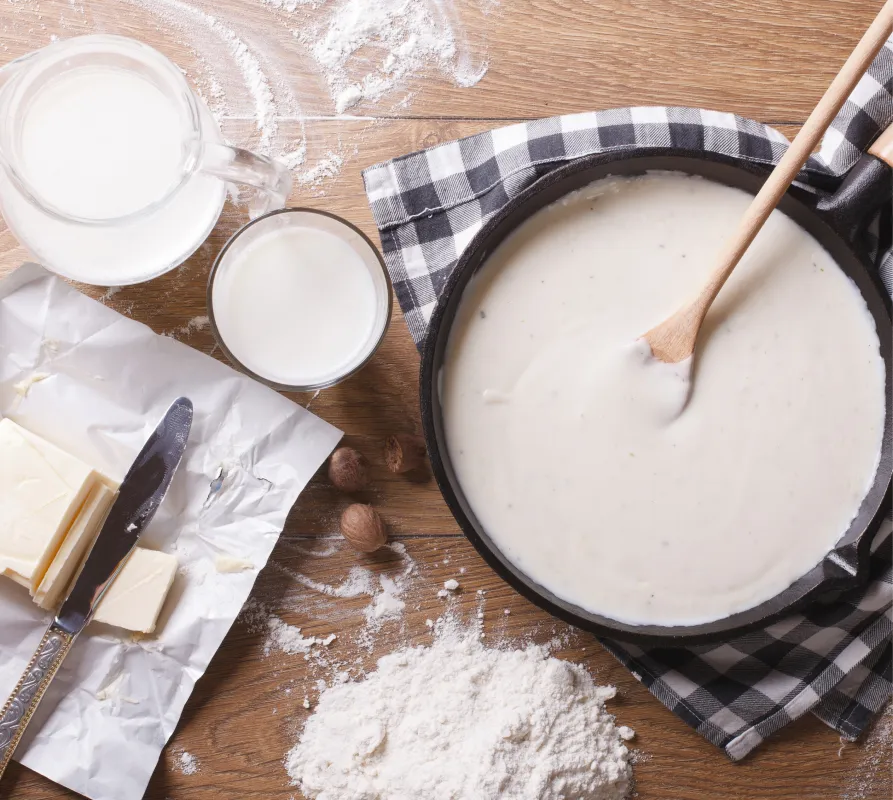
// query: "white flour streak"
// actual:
[[386, 591], [368, 48], [195, 324], [187, 763], [109, 293], [359, 581], [325, 552], [294, 158], [183, 17], [363, 49], [327, 167], [289, 639]]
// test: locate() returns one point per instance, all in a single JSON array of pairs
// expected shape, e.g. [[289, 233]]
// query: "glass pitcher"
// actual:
[[112, 171]]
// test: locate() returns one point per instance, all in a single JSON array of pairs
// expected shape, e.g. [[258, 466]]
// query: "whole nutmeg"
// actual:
[[348, 470], [363, 528], [403, 452]]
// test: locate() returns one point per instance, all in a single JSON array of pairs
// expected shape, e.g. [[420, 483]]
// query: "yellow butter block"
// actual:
[[135, 598], [74, 547], [42, 489]]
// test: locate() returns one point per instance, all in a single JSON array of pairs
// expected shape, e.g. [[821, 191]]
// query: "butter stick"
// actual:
[[42, 489], [135, 598], [74, 547]]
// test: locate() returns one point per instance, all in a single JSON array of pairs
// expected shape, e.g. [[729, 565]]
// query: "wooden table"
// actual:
[[768, 59]]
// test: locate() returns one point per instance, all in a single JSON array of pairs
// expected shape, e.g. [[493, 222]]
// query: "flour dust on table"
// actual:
[[186, 763], [460, 720], [364, 50], [369, 48]]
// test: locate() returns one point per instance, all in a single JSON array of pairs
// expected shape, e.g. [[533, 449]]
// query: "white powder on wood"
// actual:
[[199, 323], [386, 592], [187, 763], [329, 166], [365, 50], [461, 721], [289, 639], [387, 603], [368, 48], [195, 22]]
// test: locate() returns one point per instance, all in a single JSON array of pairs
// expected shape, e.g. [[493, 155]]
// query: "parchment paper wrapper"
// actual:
[[117, 698]]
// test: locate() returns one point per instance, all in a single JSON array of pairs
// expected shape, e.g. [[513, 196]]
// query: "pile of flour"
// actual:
[[458, 720]]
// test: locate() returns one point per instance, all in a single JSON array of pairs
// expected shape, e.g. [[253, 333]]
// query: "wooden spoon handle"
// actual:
[[883, 146], [799, 151]]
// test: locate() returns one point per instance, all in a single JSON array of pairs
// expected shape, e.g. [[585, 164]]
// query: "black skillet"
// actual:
[[835, 220]]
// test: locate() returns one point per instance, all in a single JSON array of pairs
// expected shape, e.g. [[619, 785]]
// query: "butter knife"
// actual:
[[138, 499]]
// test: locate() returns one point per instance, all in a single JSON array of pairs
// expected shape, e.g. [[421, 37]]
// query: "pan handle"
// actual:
[[867, 186]]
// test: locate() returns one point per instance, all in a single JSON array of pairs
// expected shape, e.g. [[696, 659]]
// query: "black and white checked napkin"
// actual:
[[834, 659]]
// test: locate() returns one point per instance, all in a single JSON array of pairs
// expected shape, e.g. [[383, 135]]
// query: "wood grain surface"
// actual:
[[768, 59]]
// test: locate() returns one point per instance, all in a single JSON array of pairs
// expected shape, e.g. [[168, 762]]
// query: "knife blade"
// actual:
[[139, 496]]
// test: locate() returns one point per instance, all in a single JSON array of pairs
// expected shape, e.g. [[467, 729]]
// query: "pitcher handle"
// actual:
[[271, 179]]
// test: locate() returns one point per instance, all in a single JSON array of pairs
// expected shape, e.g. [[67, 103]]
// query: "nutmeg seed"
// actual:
[[348, 470], [404, 452], [363, 528]]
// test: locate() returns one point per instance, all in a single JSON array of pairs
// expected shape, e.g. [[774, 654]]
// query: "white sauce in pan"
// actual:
[[568, 439]]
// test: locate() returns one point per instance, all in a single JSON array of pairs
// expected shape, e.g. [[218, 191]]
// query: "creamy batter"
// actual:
[[573, 447]]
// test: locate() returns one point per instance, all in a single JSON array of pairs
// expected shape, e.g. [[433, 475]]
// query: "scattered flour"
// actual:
[[324, 552], [295, 157], [185, 17], [367, 48], [327, 167], [386, 604], [402, 28], [364, 51], [187, 763], [359, 581], [289, 639], [386, 591], [463, 721], [199, 323], [109, 293]]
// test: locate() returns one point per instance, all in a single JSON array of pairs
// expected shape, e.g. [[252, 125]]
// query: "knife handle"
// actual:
[[23, 701]]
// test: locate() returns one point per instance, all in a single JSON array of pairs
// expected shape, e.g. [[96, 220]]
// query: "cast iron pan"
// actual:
[[834, 220]]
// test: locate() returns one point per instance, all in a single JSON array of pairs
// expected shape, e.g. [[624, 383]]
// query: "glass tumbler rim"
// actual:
[[314, 386]]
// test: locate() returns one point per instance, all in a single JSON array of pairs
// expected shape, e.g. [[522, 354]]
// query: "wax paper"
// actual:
[[96, 383]]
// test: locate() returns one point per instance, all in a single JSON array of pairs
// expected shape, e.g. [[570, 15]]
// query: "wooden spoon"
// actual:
[[674, 339]]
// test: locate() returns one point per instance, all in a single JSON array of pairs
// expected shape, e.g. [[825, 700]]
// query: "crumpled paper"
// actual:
[[96, 383]]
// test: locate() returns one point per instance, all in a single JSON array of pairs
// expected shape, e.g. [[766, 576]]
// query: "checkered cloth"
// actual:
[[834, 659]]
